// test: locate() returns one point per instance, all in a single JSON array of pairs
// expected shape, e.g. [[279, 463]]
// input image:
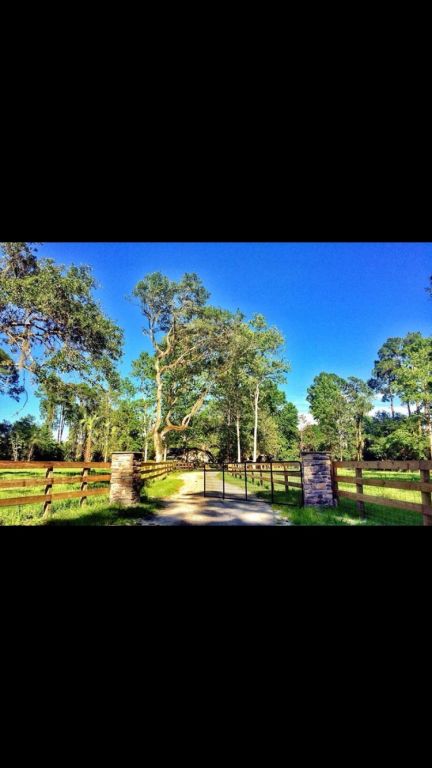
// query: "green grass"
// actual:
[[345, 513], [95, 511], [159, 489], [263, 491]]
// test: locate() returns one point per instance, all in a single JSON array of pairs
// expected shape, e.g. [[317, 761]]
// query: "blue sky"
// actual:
[[335, 303]]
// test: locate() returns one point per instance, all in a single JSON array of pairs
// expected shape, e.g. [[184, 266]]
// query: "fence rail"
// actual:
[[423, 486], [150, 470], [276, 473]]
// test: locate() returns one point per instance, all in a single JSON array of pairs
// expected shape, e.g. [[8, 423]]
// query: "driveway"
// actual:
[[190, 507]]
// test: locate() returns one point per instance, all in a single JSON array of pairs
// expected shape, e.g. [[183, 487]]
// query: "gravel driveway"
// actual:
[[190, 507]]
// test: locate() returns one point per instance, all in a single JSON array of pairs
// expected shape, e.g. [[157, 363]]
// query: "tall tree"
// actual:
[[330, 407], [50, 321], [265, 365], [385, 370], [359, 396], [414, 378], [189, 340]]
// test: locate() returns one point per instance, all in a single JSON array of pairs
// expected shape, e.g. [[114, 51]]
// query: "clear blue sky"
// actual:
[[336, 303]]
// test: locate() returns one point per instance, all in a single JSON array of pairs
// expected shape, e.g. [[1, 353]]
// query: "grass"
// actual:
[[346, 512], [96, 510]]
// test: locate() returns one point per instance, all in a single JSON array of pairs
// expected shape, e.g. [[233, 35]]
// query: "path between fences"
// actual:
[[190, 507]]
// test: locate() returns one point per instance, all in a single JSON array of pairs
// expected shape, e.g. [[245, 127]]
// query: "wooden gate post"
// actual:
[[317, 480], [126, 482], [426, 496], [47, 492], [359, 489]]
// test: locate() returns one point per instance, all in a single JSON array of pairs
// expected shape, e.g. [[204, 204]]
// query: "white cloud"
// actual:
[[305, 418], [397, 409]]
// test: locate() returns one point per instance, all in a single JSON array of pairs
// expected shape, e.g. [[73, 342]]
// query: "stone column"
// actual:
[[317, 480], [126, 483]]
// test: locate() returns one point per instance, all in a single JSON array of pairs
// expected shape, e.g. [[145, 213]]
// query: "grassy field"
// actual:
[[345, 513], [95, 511]]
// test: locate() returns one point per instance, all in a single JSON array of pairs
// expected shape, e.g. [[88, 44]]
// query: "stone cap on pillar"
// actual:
[[325, 454]]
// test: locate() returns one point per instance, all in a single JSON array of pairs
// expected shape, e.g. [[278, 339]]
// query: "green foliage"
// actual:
[[49, 319], [9, 377]]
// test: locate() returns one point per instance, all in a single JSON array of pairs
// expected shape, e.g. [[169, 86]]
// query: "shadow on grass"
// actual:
[[107, 515]]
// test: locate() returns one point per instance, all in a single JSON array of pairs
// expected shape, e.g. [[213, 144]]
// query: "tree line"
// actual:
[[210, 386]]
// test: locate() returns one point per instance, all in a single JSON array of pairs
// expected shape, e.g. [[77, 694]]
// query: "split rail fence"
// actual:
[[423, 486], [48, 479]]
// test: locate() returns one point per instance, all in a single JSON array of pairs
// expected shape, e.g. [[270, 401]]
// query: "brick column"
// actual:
[[317, 480], [126, 483]]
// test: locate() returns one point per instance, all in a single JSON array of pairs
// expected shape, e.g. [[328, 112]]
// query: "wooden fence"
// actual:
[[423, 486], [150, 471]]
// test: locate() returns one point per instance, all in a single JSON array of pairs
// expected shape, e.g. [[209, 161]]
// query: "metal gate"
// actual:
[[256, 481]]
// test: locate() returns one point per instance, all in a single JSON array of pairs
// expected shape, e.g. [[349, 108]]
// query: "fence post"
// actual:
[[359, 489], [426, 496], [245, 471], [84, 474], [286, 479], [48, 490], [126, 483], [317, 480], [271, 481]]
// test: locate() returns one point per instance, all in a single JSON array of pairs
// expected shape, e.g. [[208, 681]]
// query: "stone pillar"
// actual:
[[317, 480], [126, 483]]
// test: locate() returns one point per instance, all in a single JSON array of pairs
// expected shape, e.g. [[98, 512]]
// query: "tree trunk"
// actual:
[[165, 453], [392, 407], [255, 441], [88, 445], [359, 442], [158, 441], [158, 446], [409, 409], [238, 437], [15, 450], [107, 437], [145, 448], [59, 428], [429, 427]]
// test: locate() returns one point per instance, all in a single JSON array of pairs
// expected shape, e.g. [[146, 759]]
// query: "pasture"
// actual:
[[95, 511], [346, 512]]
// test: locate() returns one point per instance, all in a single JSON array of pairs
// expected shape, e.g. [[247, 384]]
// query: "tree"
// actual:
[[414, 378], [9, 378], [49, 319], [19, 259], [143, 372], [329, 406], [385, 371], [190, 342], [265, 365], [359, 397]]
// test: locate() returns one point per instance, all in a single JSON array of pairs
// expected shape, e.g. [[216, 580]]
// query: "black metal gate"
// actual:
[[256, 481]]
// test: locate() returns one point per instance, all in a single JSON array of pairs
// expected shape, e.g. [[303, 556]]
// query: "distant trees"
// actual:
[[26, 440], [403, 370]]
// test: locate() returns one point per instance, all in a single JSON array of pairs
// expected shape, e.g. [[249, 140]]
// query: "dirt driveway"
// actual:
[[189, 507]]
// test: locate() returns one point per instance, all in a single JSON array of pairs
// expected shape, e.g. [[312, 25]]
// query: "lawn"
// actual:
[[95, 511], [345, 513]]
